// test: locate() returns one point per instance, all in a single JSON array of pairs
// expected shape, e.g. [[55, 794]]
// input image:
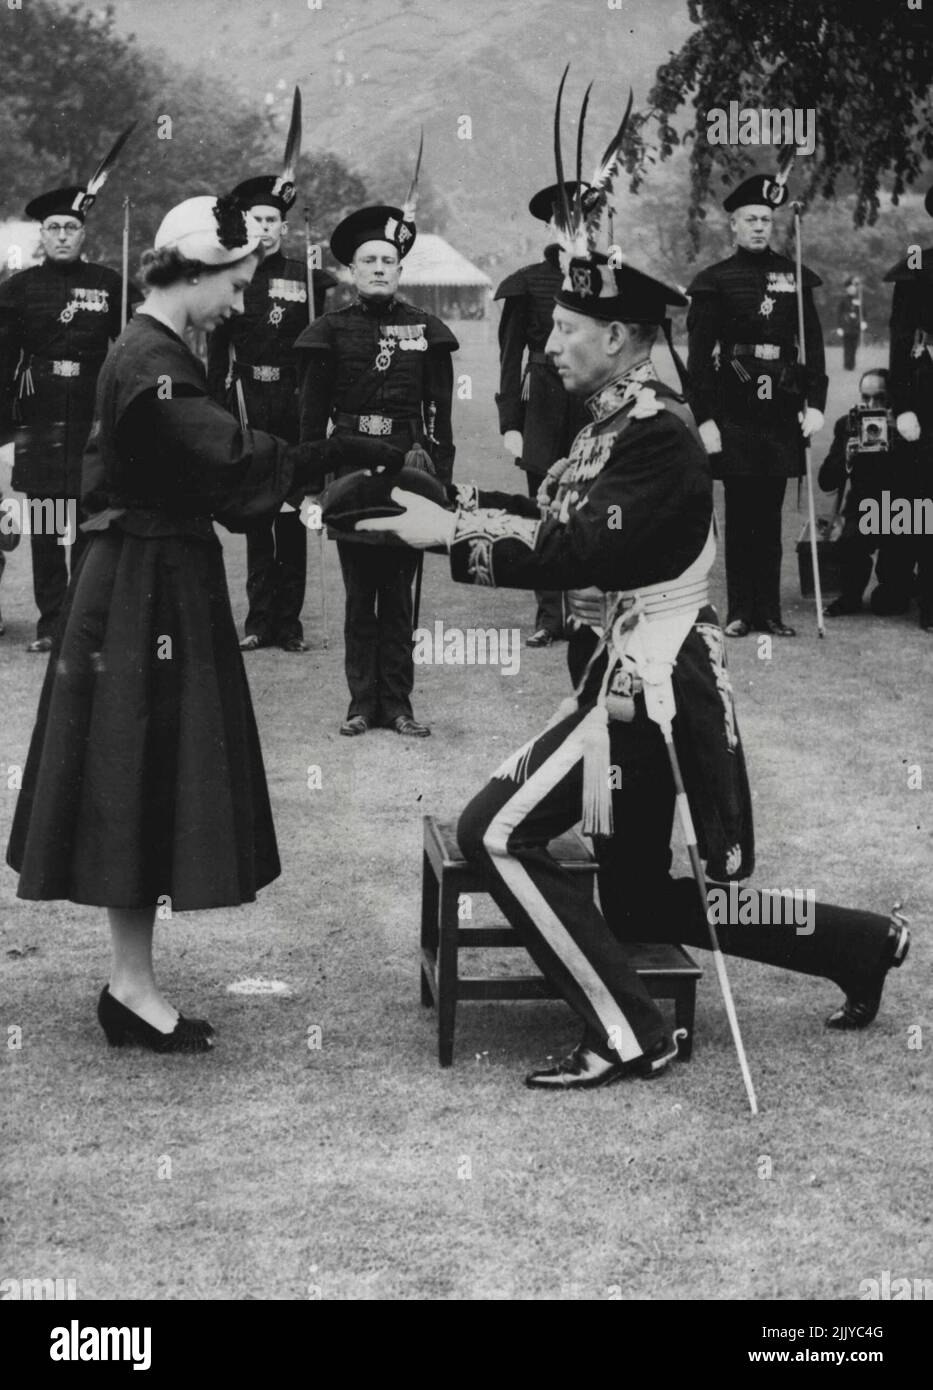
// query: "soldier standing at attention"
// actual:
[[57, 321], [257, 350], [538, 419], [379, 367], [747, 393], [850, 325]]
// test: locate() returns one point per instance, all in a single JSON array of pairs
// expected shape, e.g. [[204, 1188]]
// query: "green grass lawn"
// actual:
[[359, 1169]]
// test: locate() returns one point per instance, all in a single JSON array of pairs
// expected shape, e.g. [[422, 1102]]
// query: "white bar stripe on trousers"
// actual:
[[523, 887]]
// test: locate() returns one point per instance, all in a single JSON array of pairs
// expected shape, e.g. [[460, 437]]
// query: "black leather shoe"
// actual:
[[926, 622], [585, 1070], [737, 628], [122, 1026], [295, 644], [864, 999], [541, 638], [410, 728], [41, 644], [252, 643], [776, 629], [351, 728]]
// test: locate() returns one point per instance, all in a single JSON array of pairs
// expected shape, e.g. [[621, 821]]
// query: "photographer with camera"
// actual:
[[867, 458]]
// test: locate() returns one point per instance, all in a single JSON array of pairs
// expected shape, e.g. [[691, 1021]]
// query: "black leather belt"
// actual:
[[768, 352]]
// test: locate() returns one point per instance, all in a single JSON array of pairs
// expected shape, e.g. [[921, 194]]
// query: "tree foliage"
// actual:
[[69, 83], [866, 70]]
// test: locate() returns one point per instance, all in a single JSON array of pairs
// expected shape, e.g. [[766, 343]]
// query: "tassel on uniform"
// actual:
[[419, 458], [597, 797]]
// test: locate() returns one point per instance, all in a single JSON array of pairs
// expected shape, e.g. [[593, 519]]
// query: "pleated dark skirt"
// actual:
[[145, 776]]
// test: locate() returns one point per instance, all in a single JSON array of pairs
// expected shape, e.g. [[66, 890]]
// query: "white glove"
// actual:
[[839, 333], [864, 325], [712, 439], [811, 420], [512, 439], [908, 426], [422, 524]]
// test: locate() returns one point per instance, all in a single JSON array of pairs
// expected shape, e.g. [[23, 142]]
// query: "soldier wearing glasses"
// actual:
[[57, 320]]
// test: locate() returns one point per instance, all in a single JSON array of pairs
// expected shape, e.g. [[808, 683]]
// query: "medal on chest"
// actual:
[[779, 282], [384, 356], [97, 301], [292, 291]]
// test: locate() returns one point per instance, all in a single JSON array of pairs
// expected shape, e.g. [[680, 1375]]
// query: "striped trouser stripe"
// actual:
[[520, 883]]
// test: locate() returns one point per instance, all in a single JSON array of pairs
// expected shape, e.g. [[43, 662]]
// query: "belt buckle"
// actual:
[[264, 373], [768, 352], [63, 367], [375, 424]]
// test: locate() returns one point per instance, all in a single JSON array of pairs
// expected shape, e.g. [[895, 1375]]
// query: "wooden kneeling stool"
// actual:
[[667, 971]]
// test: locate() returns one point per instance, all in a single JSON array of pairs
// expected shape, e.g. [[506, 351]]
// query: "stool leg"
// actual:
[[447, 948], [685, 1005], [429, 919]]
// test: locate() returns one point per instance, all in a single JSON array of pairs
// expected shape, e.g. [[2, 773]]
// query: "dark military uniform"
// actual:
[[849, 322], [56, 324], [742, 328], [635, 512], [911, 367], [531, 396], [264, 361], [380, 369]]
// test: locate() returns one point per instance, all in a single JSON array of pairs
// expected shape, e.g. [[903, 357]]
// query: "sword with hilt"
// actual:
[[654, 645], [430, 418]]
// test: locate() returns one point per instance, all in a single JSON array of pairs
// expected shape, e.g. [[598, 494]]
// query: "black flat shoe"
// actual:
[[776, 629], [123, 1027], [737, 628], [41, 644], [585, 1070], [295, 644], [863, 1000], [541, 638], [252, 643]]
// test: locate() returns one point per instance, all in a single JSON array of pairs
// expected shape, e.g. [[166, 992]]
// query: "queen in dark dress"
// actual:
[[144, 783]]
